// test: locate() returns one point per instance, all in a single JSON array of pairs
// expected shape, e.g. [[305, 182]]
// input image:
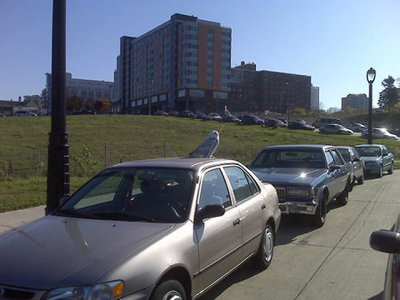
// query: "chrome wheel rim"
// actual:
[[172, 295], [268, 244]]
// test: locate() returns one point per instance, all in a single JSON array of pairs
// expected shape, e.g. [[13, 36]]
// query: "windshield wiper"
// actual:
[[123, 216], [72, 213]]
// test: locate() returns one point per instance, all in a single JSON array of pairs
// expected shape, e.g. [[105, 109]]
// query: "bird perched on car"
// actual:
[[208, 147]]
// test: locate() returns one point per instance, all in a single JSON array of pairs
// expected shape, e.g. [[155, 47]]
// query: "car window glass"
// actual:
[[336, 157], [240, 183], [214, 190], [329, 158], [345, 154]]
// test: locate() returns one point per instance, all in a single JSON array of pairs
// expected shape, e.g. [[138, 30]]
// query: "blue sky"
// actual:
[[335, 42]]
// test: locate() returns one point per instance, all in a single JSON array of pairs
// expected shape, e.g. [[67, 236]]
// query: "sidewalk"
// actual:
[[15, 218]]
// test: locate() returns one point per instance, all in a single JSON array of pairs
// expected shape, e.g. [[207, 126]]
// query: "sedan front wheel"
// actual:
[[169, 290]]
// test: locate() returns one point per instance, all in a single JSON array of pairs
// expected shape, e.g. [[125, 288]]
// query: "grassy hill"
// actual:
[[97, 141]]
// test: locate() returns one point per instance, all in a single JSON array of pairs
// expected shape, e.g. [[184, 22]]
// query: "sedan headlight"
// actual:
[[104, 291], [300, 193]]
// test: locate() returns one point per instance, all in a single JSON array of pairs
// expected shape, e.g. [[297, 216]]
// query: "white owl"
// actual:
[[208, 147]]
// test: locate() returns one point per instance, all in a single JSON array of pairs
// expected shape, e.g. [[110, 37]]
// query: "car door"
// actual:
[[331, 182], [250, 202], [358, 166], [219, 239], [343, 173], [386, 158]]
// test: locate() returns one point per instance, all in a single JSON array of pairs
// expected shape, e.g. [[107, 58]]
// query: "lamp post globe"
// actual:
[[371, 74]]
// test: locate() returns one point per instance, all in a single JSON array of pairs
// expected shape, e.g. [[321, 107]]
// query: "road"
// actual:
[[332, 262]]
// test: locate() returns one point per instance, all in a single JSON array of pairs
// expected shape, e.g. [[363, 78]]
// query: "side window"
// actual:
[[336, 157], [214, 190], [243, 186], [329, 158]]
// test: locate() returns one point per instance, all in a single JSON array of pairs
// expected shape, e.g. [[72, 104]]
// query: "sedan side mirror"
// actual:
[[385, 241], [210, 211], [334, 167], [384, 154], [356, 159]]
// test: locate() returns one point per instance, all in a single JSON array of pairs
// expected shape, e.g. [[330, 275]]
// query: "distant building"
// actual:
[[183, 63], [10, 107], [355, 101], [314, 98], [253, 90], [85, 89]]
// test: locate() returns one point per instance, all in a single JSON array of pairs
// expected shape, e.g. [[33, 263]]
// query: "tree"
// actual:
[[389, 96], [74, 103]]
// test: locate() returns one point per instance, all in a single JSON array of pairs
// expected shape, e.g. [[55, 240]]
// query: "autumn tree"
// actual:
[[389, 96], [74, 103]]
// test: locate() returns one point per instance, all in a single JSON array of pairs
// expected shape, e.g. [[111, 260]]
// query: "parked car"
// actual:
[[335, 128], [187, 114], [160, 113], [173, 113], [356, 127], [325, 121], [155, 229], [24, 113], [231, 119], [283, 120], [388, 241], [215, 117], [252, 120], [202, 116], [380, 133], [306, 177], [357, 166], [300, 124], [377, 159], [272, 123]]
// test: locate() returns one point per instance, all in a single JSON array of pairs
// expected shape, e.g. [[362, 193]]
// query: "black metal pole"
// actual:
[[370, 115], [58, 149]]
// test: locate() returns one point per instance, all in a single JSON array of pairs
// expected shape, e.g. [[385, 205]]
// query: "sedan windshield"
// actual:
[[133, 194], [290, 158], [370, 151]]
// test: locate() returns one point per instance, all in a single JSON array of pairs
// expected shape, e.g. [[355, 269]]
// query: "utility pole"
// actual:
[[58, 149]]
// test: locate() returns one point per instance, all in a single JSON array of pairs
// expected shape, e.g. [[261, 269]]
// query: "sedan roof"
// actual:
[[301, 146], [180, 163]]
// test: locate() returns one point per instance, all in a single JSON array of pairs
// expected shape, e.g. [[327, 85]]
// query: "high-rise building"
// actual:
[[182, 64], [266, 90], [355, 101], [85, 89], [314, 98]]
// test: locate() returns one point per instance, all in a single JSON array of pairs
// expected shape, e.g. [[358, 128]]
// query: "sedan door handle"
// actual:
[[236, 222], [263, 206]]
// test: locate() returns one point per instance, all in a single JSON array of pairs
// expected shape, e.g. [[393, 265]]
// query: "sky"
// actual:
[[335, 42]]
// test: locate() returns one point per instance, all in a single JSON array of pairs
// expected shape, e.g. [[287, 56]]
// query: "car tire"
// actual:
[[265, 253], [380, 173], [343, 198], [360, 179], [390, 171], [319, 218], [169, 289]]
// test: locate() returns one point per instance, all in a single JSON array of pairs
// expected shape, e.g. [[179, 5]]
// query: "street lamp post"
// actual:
[[58, 157], [371, 74]]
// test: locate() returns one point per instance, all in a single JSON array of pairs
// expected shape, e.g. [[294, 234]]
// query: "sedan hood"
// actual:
[[58, 251], [288, 176]]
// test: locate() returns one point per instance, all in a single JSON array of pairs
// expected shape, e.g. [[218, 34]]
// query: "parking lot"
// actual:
[[332, 262]]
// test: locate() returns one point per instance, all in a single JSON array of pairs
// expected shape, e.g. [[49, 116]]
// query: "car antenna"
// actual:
[[207, 147]]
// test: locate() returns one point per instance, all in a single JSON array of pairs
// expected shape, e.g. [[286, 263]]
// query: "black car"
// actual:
[[187, 114], [160, 113], [252, 120], [300, 124], [272, 123], [202, 116], [306, 178], [231, 119]]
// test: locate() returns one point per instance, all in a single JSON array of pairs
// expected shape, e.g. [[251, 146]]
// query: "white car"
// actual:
[[380, 133], [335, 128], [357, 127]]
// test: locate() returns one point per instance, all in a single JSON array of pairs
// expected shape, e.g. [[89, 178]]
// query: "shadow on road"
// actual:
[[242, 273]]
